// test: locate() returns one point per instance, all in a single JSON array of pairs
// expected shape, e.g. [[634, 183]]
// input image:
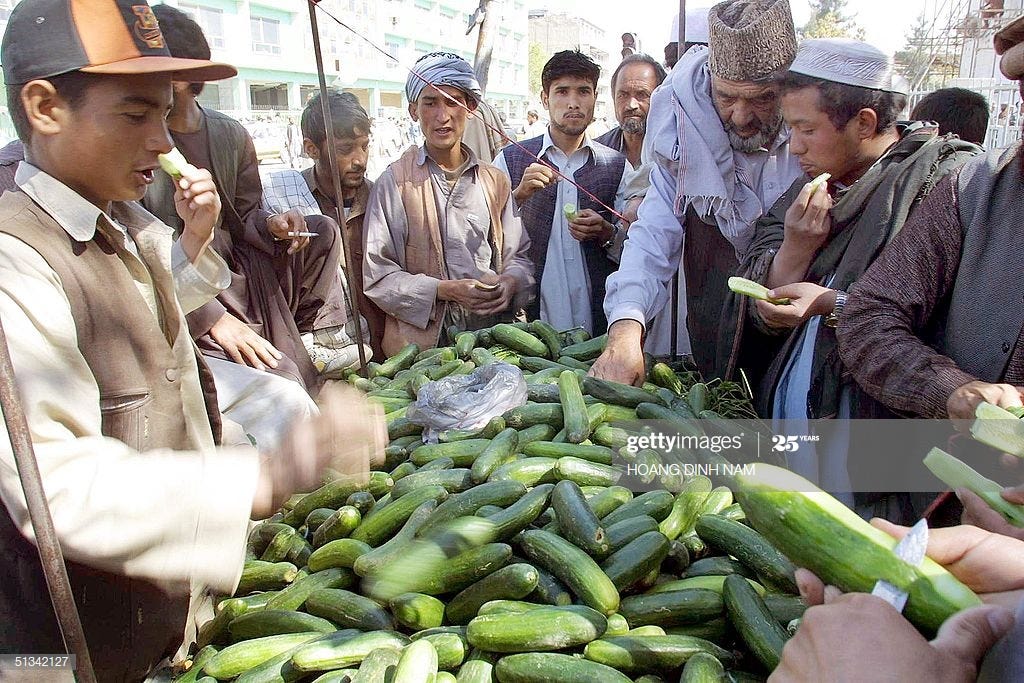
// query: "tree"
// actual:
[[925, 60], [829, 20], [538, 58]]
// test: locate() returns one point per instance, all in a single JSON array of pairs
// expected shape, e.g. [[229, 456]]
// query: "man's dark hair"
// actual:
[[348, 117], [841, 102], [72, 87], [956, 110], [184, 37], [640, 58], [569, 63]]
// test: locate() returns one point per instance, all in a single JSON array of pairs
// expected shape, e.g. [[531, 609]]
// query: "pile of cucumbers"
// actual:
[[510, 553]]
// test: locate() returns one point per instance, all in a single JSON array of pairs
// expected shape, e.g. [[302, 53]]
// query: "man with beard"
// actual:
[[572, 252], [634, 80], [720, 159], [841, 103]]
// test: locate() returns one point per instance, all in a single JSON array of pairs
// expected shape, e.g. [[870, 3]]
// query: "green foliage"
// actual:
[[830, 20], [538, 58]]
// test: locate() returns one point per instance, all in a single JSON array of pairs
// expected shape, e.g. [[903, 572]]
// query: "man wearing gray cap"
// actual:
[[721, 158], [841, 104], [934, 326], [443, 244]]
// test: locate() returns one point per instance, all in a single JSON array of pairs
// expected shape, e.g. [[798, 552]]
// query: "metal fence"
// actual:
[[1006, 113]]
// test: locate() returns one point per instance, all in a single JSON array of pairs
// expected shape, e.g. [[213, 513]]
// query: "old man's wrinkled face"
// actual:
[[750, 112]]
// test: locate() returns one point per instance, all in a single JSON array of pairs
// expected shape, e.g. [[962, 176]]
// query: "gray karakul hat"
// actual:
[[750, 40]]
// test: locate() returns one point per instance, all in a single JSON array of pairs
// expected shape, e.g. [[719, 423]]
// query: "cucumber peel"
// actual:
[[957, 474], [818, 532], [175, 164], [755, 290]]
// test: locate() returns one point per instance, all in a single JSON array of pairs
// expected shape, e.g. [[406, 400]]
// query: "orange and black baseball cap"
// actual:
[[46, 38]]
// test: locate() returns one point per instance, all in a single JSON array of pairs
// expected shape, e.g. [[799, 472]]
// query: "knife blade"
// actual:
[[912, 551]]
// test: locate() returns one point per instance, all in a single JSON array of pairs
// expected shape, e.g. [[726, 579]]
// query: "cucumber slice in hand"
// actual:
[[754, 290]]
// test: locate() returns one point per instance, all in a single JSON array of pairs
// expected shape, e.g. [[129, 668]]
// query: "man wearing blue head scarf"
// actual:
[[444, 245]]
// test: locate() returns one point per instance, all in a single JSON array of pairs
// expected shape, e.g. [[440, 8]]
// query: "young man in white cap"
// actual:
[[842, 105], [443, 244], [93, 293], [721, 159], [934, 326]]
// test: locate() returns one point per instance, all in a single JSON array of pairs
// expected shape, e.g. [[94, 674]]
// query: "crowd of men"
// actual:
[[175, 338]]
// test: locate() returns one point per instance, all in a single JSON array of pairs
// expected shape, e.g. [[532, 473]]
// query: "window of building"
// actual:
[[210, 96], [209, 19], [266, 35], [393, 47]]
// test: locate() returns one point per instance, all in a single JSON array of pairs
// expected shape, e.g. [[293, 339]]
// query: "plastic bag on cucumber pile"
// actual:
[[467, 401]]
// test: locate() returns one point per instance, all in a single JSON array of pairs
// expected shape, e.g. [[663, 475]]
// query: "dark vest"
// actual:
[[985, 311], [130, 624], [600, 176]]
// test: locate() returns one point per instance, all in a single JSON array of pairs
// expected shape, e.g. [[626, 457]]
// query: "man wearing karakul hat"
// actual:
[[942, 304], [720, 158], [443, 243], [841, 104]]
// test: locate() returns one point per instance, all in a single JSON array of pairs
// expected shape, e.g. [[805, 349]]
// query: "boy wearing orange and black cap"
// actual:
[[92, 297]]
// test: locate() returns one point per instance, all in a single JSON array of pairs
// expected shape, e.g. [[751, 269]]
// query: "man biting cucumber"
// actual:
[[148, 510]]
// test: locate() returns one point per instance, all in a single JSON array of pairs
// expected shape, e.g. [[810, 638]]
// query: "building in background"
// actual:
[[270, 43], [556, 31], [951, 46]]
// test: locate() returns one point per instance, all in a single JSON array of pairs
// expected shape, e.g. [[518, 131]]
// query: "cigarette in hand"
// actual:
[[302, 234]]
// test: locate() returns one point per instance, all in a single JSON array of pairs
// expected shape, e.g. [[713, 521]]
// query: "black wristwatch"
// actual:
[[832, 319], [611, 240]]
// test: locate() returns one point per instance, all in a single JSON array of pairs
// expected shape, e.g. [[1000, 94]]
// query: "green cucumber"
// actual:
[[516, 517], [258, 575], [340, 553], [453, 481], [543, 667], [417, 611], [399, 473], [655, 504], [380, 557], [636, 559], [549, 590], [547, 334], [339, 525], [236, 659], [215, 630], [532, 414], [713, 583], [586, 350], [635, 654], [573, 567], [842, 549], [451, 649], [294, 596], [336, 653], [383, 523], [687, 506], [544, 449], [675, 608], [317, 517], [348, 610], [664, 376], [272, 622], [277, 549], [763, 635], [574, 364], [750, 548], [716, 630], [540, 630], [719, 566], [330, 495], [539, 432], [785, 608], [575, 420], [527, 471], [621, 533], [519, 340], [400, 361], [586, 473], [379, 665], [576, 521], [511, 582], [479, 668], [468, 502], [463, 453], [615, 393], [703, 668], [500, 450]]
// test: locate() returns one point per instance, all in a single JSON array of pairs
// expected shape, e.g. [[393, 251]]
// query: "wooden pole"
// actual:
[[674, 302], [484, 46]]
